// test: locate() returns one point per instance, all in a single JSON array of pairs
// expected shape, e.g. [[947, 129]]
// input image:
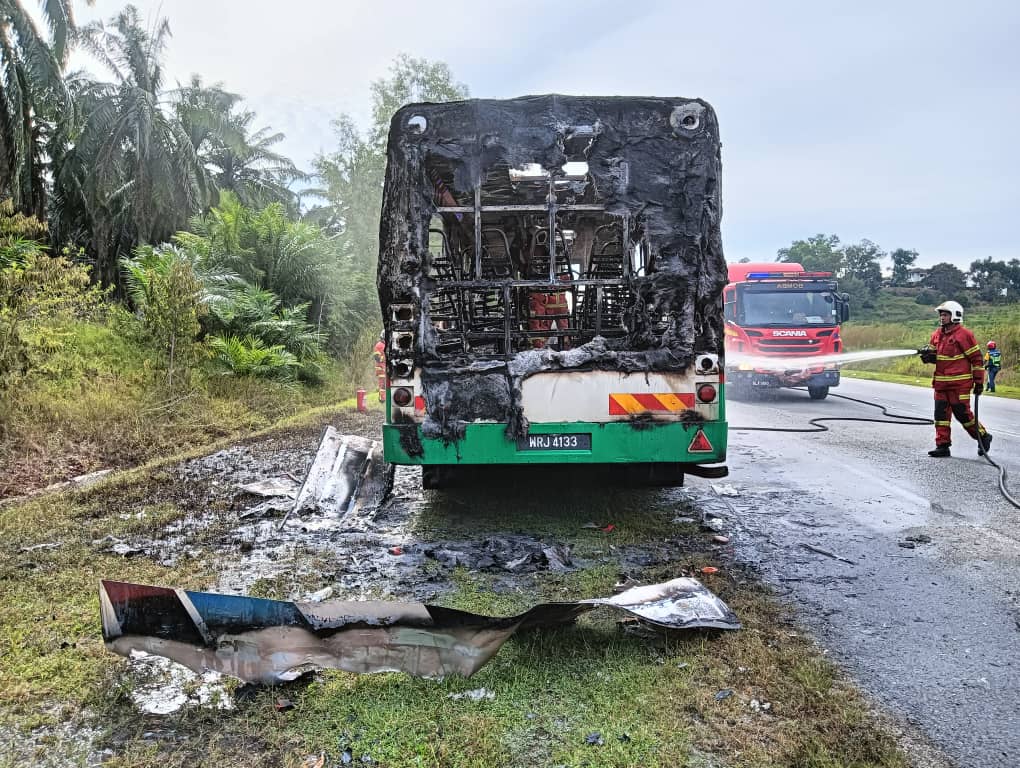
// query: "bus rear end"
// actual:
[[550, 276]]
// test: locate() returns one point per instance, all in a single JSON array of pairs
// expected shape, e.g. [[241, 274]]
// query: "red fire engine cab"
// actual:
[[778, 317]]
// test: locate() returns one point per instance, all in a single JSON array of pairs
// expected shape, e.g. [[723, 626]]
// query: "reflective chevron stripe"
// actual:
[[622, 403]]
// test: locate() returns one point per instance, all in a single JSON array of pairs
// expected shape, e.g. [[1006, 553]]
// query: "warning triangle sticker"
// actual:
[[699, 444]]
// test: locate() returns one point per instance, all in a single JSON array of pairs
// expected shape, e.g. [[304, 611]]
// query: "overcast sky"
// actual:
[[896, 121]]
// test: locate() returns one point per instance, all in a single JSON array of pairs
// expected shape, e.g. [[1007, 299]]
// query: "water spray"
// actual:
[[800, 362]]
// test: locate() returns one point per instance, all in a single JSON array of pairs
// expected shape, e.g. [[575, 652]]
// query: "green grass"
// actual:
[[650, 695], [50, 646], [96, 399], [469, 510]]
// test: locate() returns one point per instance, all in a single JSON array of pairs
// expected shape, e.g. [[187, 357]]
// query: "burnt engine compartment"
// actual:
[[547, 233]]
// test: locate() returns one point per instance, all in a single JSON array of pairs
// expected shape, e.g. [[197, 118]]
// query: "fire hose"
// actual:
[[890, 418], [1002, 470]]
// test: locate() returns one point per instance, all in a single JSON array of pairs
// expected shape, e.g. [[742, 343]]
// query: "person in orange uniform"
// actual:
[[379, 355], [537, 321], [545, 309], [959, 371]]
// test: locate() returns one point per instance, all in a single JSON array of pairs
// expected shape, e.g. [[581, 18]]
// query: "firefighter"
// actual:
[[537, 321], [993, 362], [379, 355], [545, 309], [959, 370], [558, 307]]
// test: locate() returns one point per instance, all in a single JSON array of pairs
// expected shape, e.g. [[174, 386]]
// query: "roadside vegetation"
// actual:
[[1000, 323], [196, 353], [167, 276]]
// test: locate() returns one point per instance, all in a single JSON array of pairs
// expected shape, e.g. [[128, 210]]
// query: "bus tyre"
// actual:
[[671, 475], [434, 477], [818, 393], [655, 475]]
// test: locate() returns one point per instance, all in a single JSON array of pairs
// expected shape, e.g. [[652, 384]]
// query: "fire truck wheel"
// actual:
[[818, 393]]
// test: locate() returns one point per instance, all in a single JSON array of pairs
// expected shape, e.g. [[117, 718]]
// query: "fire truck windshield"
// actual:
[[786, 308]]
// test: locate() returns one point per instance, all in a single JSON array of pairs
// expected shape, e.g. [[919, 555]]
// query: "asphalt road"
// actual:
[[933, 631]]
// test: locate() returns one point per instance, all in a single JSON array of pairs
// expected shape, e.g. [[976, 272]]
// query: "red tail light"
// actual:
[[402, 396], [706, 393]]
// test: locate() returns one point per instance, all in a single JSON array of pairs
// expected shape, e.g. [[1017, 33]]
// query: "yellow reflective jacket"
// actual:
[[958, 364]]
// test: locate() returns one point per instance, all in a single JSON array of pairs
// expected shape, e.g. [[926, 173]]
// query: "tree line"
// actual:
[[858, 267], [176, 200]]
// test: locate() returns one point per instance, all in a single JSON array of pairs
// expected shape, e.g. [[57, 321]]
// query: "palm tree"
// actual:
[[265, 248], [204, 111], [32, 97], [250, 168], [238, 160], [143, 178]]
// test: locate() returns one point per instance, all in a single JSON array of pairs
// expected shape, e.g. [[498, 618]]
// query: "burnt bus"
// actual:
[[550, 276]]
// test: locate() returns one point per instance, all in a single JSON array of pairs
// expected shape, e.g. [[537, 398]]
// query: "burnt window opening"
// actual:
[[529, 259]]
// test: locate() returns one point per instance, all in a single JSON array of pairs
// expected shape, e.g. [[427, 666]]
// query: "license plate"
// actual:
[[580, 441]]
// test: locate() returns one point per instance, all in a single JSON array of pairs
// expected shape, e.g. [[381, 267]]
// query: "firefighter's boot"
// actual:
[[984, 444], [940, 451]]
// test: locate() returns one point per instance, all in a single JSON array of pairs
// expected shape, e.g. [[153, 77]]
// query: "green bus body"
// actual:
[[611, 443]]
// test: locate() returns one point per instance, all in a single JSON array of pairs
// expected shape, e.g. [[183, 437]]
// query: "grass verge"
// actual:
[[999, 323], [601, 693], [1001, 390], [94, 400]]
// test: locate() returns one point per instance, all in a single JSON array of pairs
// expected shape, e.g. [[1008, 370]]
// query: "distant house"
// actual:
[[916, 275]]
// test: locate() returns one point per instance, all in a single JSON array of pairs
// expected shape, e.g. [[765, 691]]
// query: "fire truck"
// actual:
[[550, 277], [778, 318]]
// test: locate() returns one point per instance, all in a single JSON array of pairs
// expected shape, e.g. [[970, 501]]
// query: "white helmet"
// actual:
[[954, 309]]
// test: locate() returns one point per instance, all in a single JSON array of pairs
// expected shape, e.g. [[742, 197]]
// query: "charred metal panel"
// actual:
[[347, 473], [607, 209], [269, 641], [488, 399]]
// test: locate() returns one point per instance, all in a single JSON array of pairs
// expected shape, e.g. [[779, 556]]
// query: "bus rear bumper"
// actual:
[[618, 442]]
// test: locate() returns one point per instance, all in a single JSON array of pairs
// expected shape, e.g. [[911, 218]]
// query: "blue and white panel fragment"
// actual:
[[270, 641]]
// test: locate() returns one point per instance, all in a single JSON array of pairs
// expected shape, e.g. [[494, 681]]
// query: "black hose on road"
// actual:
[[891, 418], [1002, 470], [819, 427]]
